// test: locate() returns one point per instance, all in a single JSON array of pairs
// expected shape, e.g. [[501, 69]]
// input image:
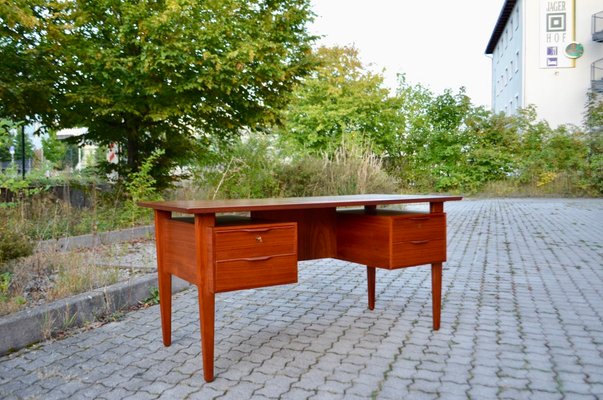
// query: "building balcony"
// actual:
[[596, 76], [597, 27]]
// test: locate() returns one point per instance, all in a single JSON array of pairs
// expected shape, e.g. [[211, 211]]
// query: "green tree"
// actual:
[[593, 123], [341, 101], [29, 70], [54, 150], [494, 143], [434, 142], [164, 74], [6, 139]]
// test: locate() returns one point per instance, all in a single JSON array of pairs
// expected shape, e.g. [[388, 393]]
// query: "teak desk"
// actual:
[[219, 254]]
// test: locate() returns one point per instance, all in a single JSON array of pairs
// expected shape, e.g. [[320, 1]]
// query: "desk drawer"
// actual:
[[417, 252], [252, 241], [254, 272], [391, 239], [419, 227]]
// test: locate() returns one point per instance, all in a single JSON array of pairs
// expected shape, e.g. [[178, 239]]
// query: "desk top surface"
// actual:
[[290, 203]]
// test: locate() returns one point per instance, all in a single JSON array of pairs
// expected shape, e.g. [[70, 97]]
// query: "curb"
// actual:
[[36, 324], [93, 240]]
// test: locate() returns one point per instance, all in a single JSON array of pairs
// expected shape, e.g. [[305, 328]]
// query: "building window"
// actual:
[[516, 100], [511, 69], [516, 18], [511, 28], [517, 61]]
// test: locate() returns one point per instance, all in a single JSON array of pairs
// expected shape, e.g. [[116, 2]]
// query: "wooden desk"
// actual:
[[219, 254]]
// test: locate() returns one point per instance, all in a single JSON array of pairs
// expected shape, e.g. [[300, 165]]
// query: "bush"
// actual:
[[245, 170], [351, 170], [13, 244], [254, 168]]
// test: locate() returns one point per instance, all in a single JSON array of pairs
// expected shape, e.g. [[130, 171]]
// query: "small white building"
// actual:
[[549, 54], [86, 152]]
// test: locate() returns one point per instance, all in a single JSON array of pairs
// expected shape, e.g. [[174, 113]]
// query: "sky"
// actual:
[[438, 43]]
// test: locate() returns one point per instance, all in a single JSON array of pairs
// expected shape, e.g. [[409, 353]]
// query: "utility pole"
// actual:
[[23, 151]]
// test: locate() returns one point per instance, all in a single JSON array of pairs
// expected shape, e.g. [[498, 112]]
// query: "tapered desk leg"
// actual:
[[207, 320], [436, 293], [164, 278], [165, 305], [371, 280], [206, 287]]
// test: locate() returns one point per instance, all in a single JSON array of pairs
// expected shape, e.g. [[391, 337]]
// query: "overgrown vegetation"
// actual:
[[256, 166], [47, 276], [440, 142]]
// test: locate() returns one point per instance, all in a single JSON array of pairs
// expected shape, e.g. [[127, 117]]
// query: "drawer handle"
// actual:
[[264, 258], [256, 230], [419, 219], [419, 241]]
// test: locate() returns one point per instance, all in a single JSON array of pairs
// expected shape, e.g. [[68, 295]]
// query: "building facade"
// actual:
[[548, 54]]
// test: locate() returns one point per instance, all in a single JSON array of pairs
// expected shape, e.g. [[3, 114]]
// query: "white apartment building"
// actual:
[[549, 54]]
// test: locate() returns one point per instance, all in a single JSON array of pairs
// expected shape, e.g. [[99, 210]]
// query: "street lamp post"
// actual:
[[23, 151]]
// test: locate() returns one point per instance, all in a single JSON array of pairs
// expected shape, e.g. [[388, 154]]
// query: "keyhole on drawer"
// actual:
[[258, 239]]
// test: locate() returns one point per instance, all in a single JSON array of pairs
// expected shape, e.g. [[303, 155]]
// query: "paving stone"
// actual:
[[478, 392], [276, 386]]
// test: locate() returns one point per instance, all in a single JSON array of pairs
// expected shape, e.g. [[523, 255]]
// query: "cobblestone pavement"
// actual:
[[522, 318]]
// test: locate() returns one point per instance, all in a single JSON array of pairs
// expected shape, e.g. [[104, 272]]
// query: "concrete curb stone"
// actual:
[[93, 240], [26, 327]]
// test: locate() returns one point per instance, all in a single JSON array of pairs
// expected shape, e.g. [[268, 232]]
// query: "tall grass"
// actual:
[[256, 167], [350, 170], [48, 276], [543, 185]]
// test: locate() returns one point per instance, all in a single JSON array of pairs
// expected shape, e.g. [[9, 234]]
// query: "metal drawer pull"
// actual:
[[419, 241], [256, 230], [259, 239]]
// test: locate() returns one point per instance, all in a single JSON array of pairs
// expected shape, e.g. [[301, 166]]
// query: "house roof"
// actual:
[[65, 133], [503, 18]]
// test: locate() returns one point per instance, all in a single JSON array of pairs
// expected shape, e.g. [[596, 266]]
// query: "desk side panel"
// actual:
[[179, 254], [363, 239]]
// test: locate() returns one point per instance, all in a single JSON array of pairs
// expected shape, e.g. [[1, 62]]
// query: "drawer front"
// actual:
[[418, 252], [255, 241], [419, 227], [254, 272]]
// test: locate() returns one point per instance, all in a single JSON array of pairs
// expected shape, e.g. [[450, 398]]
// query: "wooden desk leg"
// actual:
[[207, 319], [164, 278], [436, 293], [206, 288], [371, 280], [165, 306]]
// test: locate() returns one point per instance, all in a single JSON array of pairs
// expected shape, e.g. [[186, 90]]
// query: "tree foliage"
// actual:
[[340, 101], [435, 142], [155, 74], [54, 150]]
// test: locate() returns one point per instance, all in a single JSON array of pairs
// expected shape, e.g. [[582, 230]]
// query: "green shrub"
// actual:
[[254, 168], [247, 169], [351, 170], [13, 244], [141, 186]]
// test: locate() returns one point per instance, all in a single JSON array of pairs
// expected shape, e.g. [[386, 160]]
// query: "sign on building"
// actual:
[[557, 32]]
